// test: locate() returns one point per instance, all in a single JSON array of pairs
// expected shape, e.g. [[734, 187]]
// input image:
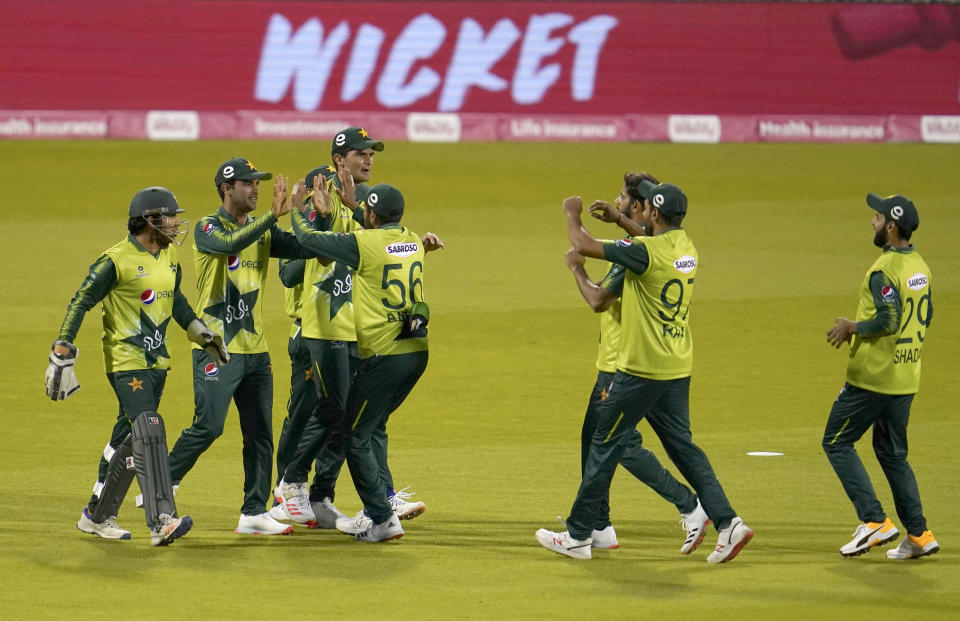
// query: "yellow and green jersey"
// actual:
[[140, 292], [894, 310], [328, 289], [231, 267], [655, 338], [610, 321], [388, 280], [291, 275]]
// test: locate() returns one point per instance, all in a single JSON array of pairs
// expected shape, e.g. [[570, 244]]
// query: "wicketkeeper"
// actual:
[[138, 283]]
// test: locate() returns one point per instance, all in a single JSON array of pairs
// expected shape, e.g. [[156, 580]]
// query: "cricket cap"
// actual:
[[385, 200], [325, 171], [898, 208], [354, 139], [154, 201], [666, 197], [239, 168]]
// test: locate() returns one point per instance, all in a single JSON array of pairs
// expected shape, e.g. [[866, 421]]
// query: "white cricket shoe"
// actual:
[[296, 502], [108, 529], [563, 543], [605, 539], [730, 541], [279, 513], [404, 509], [868, 535], [325, 514], [169, 528], [384, 531], [695, 523], [261, 524], [915, 547], [354, 525]]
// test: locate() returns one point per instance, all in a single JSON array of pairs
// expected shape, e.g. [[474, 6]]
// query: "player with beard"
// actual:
[[330, 335], [894, 310], [138, 282], [232, 250]]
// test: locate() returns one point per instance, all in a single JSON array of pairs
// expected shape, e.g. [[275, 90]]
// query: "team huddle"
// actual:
[[358, 346], [645, 363], [354, 288]]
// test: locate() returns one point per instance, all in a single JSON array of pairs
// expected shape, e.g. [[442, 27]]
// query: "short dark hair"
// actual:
[[632, 181], [230, 183], [673, 220], [902, 232]]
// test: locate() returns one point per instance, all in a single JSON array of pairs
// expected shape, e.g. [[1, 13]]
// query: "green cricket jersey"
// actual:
[[610, 321], [328, 289], [655, 339], [291, 275], [140, 293], [388, 280], [231, 266], [888, 362]]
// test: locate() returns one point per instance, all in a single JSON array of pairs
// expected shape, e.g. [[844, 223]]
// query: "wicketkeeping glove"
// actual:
[[210, 341], [60, 379]]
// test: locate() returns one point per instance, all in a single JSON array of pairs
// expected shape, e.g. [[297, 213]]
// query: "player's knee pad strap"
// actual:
[[120, 473], [153, 469]]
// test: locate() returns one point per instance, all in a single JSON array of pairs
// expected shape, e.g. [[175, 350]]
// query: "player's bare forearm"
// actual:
[[580, 239], [842, 331], [598, 298]]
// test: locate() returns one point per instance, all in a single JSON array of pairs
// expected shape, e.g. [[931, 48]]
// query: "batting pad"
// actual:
[[153, 469]]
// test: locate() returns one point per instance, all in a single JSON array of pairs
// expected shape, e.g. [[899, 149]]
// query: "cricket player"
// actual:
[[653, 370], [138, 282], [304, 423], [231, 252], [894, 310], [391, 317], [604, 298], [330, 336]]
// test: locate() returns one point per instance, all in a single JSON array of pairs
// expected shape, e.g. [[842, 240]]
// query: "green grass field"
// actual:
[[489, 439]]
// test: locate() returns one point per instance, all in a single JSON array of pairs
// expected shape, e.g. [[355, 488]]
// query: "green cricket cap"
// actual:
[[385, 200], [898, 208], [354, 139], [239, 168], [666, 197]]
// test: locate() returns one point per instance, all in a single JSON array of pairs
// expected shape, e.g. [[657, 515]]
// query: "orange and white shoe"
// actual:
[[868, 535], [915, 547], [731, 540]]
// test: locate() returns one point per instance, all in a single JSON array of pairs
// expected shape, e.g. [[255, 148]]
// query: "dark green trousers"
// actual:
[[303, 423], [328, 429], [854, 411], [379, 387], [637, 460], [137, 391], [665, 405], [247, 380]]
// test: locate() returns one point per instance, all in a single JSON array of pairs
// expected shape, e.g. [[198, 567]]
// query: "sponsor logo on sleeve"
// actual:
[[887, 293], [625, 242], [148, 296], [918, 281], [211, 370], [233, 262], [402, 249], [685, 264], [208, 227]]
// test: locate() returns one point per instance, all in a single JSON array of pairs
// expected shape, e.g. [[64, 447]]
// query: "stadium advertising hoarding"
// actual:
[[445, 71]]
